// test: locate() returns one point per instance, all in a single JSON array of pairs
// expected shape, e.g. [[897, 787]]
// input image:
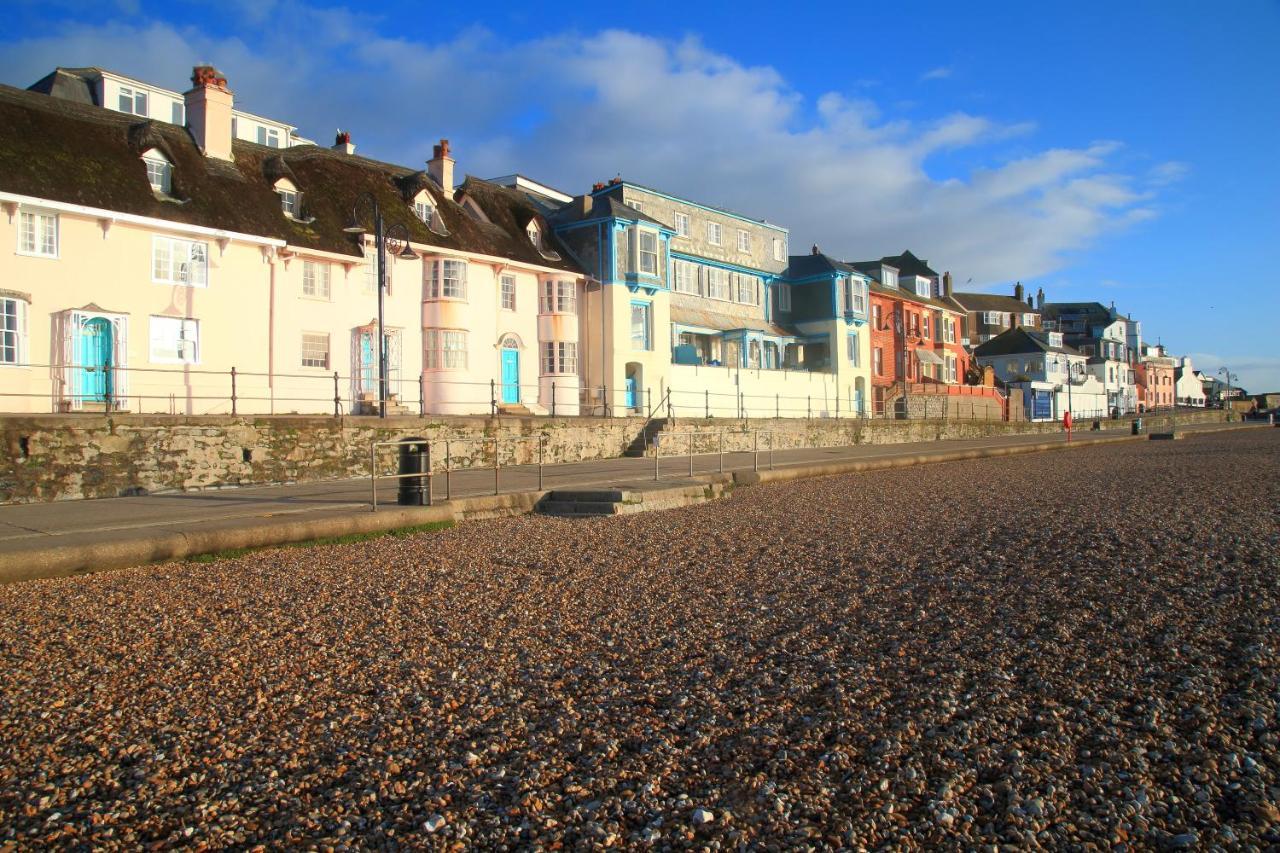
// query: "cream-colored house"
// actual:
[[149, 267]]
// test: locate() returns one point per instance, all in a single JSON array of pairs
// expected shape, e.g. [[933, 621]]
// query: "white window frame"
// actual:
[[643, 234], [779, 249], [188, 332], [685, 277], [890, 277], [559, 358], [196, 254], [160, 170], [744, 240], [714, 233], [136, 97], [445, 349], [1028, 319], [534, 233], [682, 224], [507, 292], [316, 280], [784, 297], [178, 113], [14, 338], [442, 286], [288, 201], [559, 296], [719, 284], [646, 309], [37, 229], [877, 361], [423, 208], [750, 283], [314, 339], [268, 136], [853, 349]]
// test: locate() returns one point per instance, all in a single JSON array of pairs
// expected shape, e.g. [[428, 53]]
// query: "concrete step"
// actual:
[[578, 509], [610, 501]]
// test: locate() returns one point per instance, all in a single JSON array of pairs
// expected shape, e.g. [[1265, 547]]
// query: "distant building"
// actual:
[[1053, 376], [1188, 387], [991, 314], [1110, 340], [1154, 377]]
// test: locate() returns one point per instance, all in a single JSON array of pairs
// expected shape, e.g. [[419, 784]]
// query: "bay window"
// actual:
[[448, 279], [559, 357], [558, 297], [648, 252], [446, 349]]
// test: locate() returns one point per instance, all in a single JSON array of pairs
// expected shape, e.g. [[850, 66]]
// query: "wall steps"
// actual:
[[612, 501]]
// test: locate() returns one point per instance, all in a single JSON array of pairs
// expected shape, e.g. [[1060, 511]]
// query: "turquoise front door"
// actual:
[[95, 360], [631, 392], [368, 364], [510, 375]]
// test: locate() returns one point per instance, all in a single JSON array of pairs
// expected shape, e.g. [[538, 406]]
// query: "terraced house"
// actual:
[[696, 311], [152, 266]]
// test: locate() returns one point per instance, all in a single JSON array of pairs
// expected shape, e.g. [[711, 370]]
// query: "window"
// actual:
[[875, 317], [779, 249], [636, 205], [288, 201], [784, 297], [13, 331], [448, 280], [179, 262], [877, 361], [1028, 319], [686, 277], [951, 368], [159, 171], [179, 113], [133, 101], [926, 325], [315, 279], [422, 208], [855, 295], [853, 350], [648, 252], [535, 234], [713, 233], [993, 318], [890, 277], [446, 349], [558, 297], [559, 357], [745, 289], [682, 224], [640, 325], [718, 283], [269, 137], [38, 234], [744, 240], [315, 350], [507, 285], [175, 340]]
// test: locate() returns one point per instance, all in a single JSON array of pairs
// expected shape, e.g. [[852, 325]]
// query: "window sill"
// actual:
[[23, 254], [461, 299], [316, 298]]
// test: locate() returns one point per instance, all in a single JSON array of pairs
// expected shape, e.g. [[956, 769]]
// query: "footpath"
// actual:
[[74, 537]]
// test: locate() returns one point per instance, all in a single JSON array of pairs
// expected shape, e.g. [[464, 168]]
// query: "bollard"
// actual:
[[413, 469]]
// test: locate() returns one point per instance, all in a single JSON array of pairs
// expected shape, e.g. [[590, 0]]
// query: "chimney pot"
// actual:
[[814, 250], [342, 142], [1017, 291], [208, 105], [440, 166]]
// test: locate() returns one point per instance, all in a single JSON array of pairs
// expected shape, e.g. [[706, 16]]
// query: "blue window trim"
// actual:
[[648, 330]]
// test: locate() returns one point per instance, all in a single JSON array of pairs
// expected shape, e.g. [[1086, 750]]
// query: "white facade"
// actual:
[[1188, 388]]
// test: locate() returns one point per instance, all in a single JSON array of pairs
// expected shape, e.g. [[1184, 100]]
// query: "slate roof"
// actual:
[[992, 302], [1093, 311], [1021, 340], [61, 150], [909, 264], [703, 318], [602, 207], [804, 266]]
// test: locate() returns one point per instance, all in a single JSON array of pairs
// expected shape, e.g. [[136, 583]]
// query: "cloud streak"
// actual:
[[573, 108], [940, 73]]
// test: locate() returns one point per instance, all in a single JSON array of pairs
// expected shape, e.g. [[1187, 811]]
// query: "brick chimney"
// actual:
[[342, 142], [440, 166], [208, 104], [814, 250], [1040, 299], [582, 205], [1018, 291], [946, 284]]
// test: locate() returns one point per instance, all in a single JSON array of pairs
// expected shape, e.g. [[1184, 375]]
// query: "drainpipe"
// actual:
[[271, 333]]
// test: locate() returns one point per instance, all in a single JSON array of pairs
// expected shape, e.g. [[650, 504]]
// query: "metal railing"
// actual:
[[541, 439], [691, 436]]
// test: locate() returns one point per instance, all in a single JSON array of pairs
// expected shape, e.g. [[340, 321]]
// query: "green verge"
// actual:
[[347, 539]]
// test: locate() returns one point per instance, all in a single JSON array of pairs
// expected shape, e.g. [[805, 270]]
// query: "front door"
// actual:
[[510, 374], [95, 360], [368, 363], [631, 392]]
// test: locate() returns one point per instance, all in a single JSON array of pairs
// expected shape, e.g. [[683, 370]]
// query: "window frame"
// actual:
[[740, 281], [559, 358], [438, 282], [315, 338], [157, 320], [135, 96], [38, 234], [423, 202], [507, 292], [877, 361], [558, 296], [784, 298], [266, 135], [713, 273], [439, 354], [309, 269], [19, 332], [641, 253], [685, 273], [779, 249], [153, 158], [682, 224], [172, 243], [744, 240], [715, 233], [646, 309], [853, 349]]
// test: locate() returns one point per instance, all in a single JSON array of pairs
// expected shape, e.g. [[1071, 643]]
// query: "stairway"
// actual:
[[639, 445], [610, 501]]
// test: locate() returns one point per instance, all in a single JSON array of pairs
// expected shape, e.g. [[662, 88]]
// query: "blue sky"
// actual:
[[1108, 151]]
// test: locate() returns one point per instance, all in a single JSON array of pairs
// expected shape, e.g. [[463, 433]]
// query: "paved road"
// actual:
[[43, 525]]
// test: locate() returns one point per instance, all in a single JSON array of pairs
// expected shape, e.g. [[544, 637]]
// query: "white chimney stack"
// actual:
[[342, 142], [208, 105], [440, 166]]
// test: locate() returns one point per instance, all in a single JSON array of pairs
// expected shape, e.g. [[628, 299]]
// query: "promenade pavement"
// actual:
[[35, 531]]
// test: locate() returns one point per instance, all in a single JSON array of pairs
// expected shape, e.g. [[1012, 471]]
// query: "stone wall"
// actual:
[[64, 457]]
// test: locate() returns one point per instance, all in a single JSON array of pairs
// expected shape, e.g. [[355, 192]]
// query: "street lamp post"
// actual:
[[1226, 401], [1066, 365], [396, 238]]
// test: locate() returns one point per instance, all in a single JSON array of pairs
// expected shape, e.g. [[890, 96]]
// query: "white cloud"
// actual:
[[940, 73], [571, 109]]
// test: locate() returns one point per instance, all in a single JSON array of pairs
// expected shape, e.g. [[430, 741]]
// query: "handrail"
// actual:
[[541, 438], [691, 435]]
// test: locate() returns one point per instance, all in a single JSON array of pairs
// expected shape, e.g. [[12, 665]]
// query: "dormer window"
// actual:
[[890, 277], [159, 171], [288, 197], [535, 235], [423, 208]]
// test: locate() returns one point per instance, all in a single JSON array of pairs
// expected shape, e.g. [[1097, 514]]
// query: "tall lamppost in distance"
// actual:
[[396, 239], [1226, 401], [1061, 359]]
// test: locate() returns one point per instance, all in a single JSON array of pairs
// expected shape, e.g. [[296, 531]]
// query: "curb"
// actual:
[[66, 560]]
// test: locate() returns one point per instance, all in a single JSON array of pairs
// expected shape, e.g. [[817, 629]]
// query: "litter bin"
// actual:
[[1137, 426], [413, 460]]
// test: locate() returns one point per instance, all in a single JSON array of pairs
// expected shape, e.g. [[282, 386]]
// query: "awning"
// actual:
[[928, 357]]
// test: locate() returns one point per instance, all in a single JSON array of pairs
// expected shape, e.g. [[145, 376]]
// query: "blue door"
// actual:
[[510, 374], [368, 364], [631, 392], [95, 359]]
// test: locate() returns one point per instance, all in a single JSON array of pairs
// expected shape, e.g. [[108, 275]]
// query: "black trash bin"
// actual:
[[1137, 426], [413, 460]]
